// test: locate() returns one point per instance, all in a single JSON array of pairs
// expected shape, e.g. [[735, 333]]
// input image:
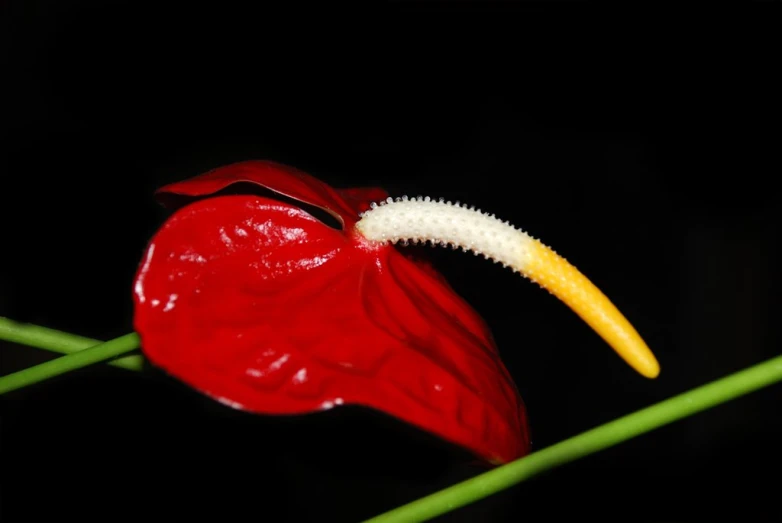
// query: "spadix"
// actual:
[[444, 223]]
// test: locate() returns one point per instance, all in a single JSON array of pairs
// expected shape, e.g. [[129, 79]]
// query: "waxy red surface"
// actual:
[[259, 305]]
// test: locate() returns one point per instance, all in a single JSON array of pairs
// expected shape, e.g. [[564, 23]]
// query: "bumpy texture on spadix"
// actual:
[[254, 302], [439, 222]]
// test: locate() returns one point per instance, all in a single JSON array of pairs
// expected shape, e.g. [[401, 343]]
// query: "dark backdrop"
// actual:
[[641, 143]]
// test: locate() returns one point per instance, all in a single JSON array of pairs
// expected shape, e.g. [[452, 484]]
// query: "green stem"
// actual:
[[58, 341], [64, 364], [464, 493], [602, 437]]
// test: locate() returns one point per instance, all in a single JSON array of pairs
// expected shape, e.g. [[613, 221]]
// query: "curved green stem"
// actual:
[[602, 437], [58, 341], [64, 364]]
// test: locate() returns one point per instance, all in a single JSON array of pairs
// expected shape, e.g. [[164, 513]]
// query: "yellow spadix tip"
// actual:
[[564, 281]]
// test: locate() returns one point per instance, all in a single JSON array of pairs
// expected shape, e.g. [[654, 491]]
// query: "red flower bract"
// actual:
[[256, 303]]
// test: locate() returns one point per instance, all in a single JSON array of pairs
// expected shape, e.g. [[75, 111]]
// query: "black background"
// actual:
[[641, 143]]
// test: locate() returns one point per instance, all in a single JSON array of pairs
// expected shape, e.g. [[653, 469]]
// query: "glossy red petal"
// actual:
[[260, 306], [344, 204]]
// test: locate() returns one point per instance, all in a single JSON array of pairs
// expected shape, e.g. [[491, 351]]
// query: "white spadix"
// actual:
[[445, 223]]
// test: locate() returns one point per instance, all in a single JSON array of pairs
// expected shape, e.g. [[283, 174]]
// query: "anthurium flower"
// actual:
[[253, 301]]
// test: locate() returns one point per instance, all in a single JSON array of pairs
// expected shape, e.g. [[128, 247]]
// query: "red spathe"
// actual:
[[261, 306]]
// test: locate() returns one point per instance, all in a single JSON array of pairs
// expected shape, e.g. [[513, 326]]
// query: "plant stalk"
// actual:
[[58, 341], [584, 444], [50, 369]]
